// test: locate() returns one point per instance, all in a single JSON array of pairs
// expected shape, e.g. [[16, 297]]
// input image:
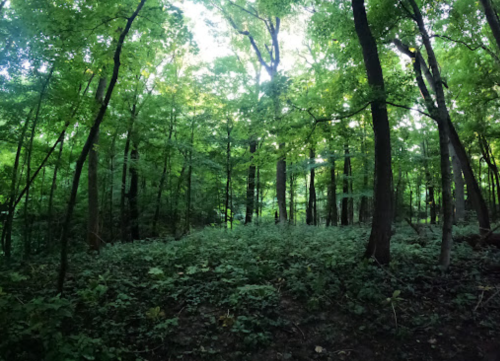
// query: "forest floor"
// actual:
[[255, 293]]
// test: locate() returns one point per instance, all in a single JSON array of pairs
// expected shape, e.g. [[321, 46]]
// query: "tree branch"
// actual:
[[468, 46], [409, 108]]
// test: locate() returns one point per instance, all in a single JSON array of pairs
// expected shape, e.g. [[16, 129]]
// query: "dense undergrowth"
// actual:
[[255, 293]]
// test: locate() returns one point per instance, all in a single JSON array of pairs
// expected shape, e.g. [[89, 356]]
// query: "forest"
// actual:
[[249, 180]]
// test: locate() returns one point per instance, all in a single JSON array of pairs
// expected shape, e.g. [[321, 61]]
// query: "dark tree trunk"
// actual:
[[459, 186], [228, 174], [133, 192], [27, 240], [281, 184], [331, 219], [311, 209], [397, 196], [7, 230], [492, 18], [112, 190], [86, 148], [292, 196], [473, 188], [380, 237], [344, 218], [444, 133], [52, 193], [123, 189], [93, 237], [189, 180], [258, 199], [251, 184]]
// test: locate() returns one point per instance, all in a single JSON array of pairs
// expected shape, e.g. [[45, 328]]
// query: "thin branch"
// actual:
[[256, 15], [409, 108], [468, 46]]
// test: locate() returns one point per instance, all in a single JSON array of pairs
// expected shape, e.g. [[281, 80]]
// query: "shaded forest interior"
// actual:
[[249, 180]]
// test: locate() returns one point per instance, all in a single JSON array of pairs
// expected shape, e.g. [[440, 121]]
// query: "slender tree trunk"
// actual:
[[397, 196], [292, 196], [258, 200], [52, 193], [228, 174], [345, 188], [331, 219], [93, 237], [7, 229], [351, 195], [251, 184], [27, 226], [311, 209], [160, 192], [437, 114], [189, 180], [112, 190], [444, 132], [86, 148], [380, 237], [123, 192], [459, 186], [134, 189], [492, 18], [281, 184]]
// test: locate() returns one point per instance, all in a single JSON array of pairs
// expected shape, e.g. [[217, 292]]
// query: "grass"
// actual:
[[255, 293]]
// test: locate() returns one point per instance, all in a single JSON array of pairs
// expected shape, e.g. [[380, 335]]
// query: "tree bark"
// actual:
[[459, 186], [492, 18], [123, 188], [86, 148], [473, 188], [311, 209], [444, 132], [7, 230], [292, 196], [380, 237], [344, 218], [251, 184], [52, 193], [189, 181], [228, 174], [134, 189], [331, 219], [93, 237], [281, 184]]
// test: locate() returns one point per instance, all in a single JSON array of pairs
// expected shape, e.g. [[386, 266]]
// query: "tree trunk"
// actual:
[[459, 186], [228, 174], [492, 18], [7, 230], [123, 189], [86, 148], [134, 189], [345, 188], [292, 196], [444, 132], [93, 237], [258, 200], [331, 219], [189, 180], [112, 190], [311, 209], [281, 184], [380, 237], [473, 188], [52, 193], [251, 184]]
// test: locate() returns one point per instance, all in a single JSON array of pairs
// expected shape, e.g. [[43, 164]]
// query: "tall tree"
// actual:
[[380, 237]]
